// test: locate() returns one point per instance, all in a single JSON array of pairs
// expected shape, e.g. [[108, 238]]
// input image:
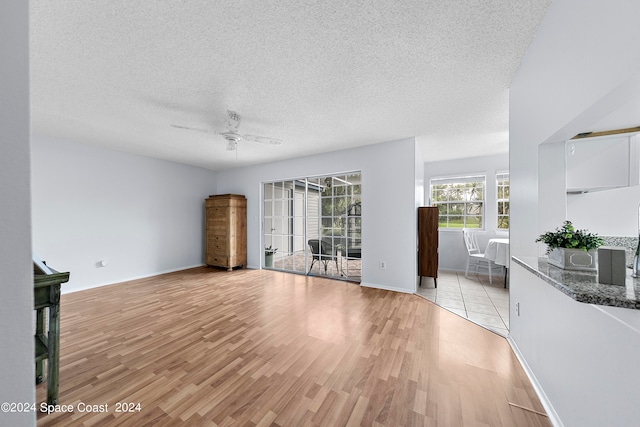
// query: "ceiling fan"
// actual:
[[232, 136]]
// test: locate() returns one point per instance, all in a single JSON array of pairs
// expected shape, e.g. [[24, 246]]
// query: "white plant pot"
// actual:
[[574, 259], [268, 260]]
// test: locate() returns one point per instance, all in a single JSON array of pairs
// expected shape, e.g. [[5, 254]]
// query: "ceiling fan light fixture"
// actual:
[[232, 136]]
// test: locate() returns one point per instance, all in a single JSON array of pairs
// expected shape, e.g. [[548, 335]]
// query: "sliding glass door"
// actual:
[[315, 225], [284, 225]]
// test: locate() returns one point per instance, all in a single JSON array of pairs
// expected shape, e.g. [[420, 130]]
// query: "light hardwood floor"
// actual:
[[265, 348]]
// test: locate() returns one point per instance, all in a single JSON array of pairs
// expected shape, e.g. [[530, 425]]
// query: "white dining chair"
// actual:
[[475, 258]]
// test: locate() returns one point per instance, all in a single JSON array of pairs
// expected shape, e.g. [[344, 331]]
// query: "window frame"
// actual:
[[479, 178], [502, 174]]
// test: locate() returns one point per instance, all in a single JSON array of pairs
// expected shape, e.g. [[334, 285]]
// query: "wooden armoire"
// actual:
[[226, 231], [428, 243]]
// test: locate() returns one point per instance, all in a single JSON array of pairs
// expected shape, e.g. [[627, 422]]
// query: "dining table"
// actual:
[[498, 251]]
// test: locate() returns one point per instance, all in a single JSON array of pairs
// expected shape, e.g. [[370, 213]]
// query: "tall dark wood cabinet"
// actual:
[[428, 243], [226, 231]]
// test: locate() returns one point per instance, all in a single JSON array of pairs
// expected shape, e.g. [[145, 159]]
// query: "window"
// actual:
[[460, 201], [502, 183]]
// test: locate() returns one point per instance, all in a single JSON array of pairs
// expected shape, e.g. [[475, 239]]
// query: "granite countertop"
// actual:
[[583, 286]]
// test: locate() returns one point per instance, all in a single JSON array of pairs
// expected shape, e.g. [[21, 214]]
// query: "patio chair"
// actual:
[[324, 252]]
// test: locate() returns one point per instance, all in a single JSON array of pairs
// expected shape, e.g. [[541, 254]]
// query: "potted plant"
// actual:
[[572, 249], [268, 255]]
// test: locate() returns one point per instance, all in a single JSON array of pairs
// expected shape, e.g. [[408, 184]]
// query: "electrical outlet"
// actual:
[[518, 309], [383, 265]]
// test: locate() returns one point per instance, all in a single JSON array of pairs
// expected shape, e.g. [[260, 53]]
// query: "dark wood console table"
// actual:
[[46, 294]]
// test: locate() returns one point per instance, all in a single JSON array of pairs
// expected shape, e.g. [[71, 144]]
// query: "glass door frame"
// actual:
[[349, 230]]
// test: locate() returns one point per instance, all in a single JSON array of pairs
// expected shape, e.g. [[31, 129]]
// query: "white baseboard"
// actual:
[[548, 407], [127, 279], [386, 288]]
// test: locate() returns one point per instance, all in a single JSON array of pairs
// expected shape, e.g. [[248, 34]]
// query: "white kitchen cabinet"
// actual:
[[602, 163]]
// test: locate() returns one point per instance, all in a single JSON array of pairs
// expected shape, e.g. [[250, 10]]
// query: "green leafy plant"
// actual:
[[568, 237], [270, 250]]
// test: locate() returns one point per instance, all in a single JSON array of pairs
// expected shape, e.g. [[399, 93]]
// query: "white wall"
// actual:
[[419, 191], [420, 183], [552, 194], [582, 65], [143, 216], [584, 356], [388, 205], [16, 357], [453, 254]]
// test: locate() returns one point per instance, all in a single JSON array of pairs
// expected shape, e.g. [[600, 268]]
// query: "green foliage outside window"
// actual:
[[340, 200], [460, 204], [502, 181]]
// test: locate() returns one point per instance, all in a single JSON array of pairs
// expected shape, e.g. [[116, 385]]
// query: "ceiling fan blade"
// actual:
[[262, 139], [233, 121], [190, 128]]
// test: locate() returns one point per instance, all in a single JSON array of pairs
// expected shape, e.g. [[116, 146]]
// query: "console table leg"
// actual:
[[39, 333], [54, 347]]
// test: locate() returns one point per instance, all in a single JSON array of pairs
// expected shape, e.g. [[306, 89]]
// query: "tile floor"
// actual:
[[473, 298], [341, 268]]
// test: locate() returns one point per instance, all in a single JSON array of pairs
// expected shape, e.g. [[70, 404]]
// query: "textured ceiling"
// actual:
[[319, 75]]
